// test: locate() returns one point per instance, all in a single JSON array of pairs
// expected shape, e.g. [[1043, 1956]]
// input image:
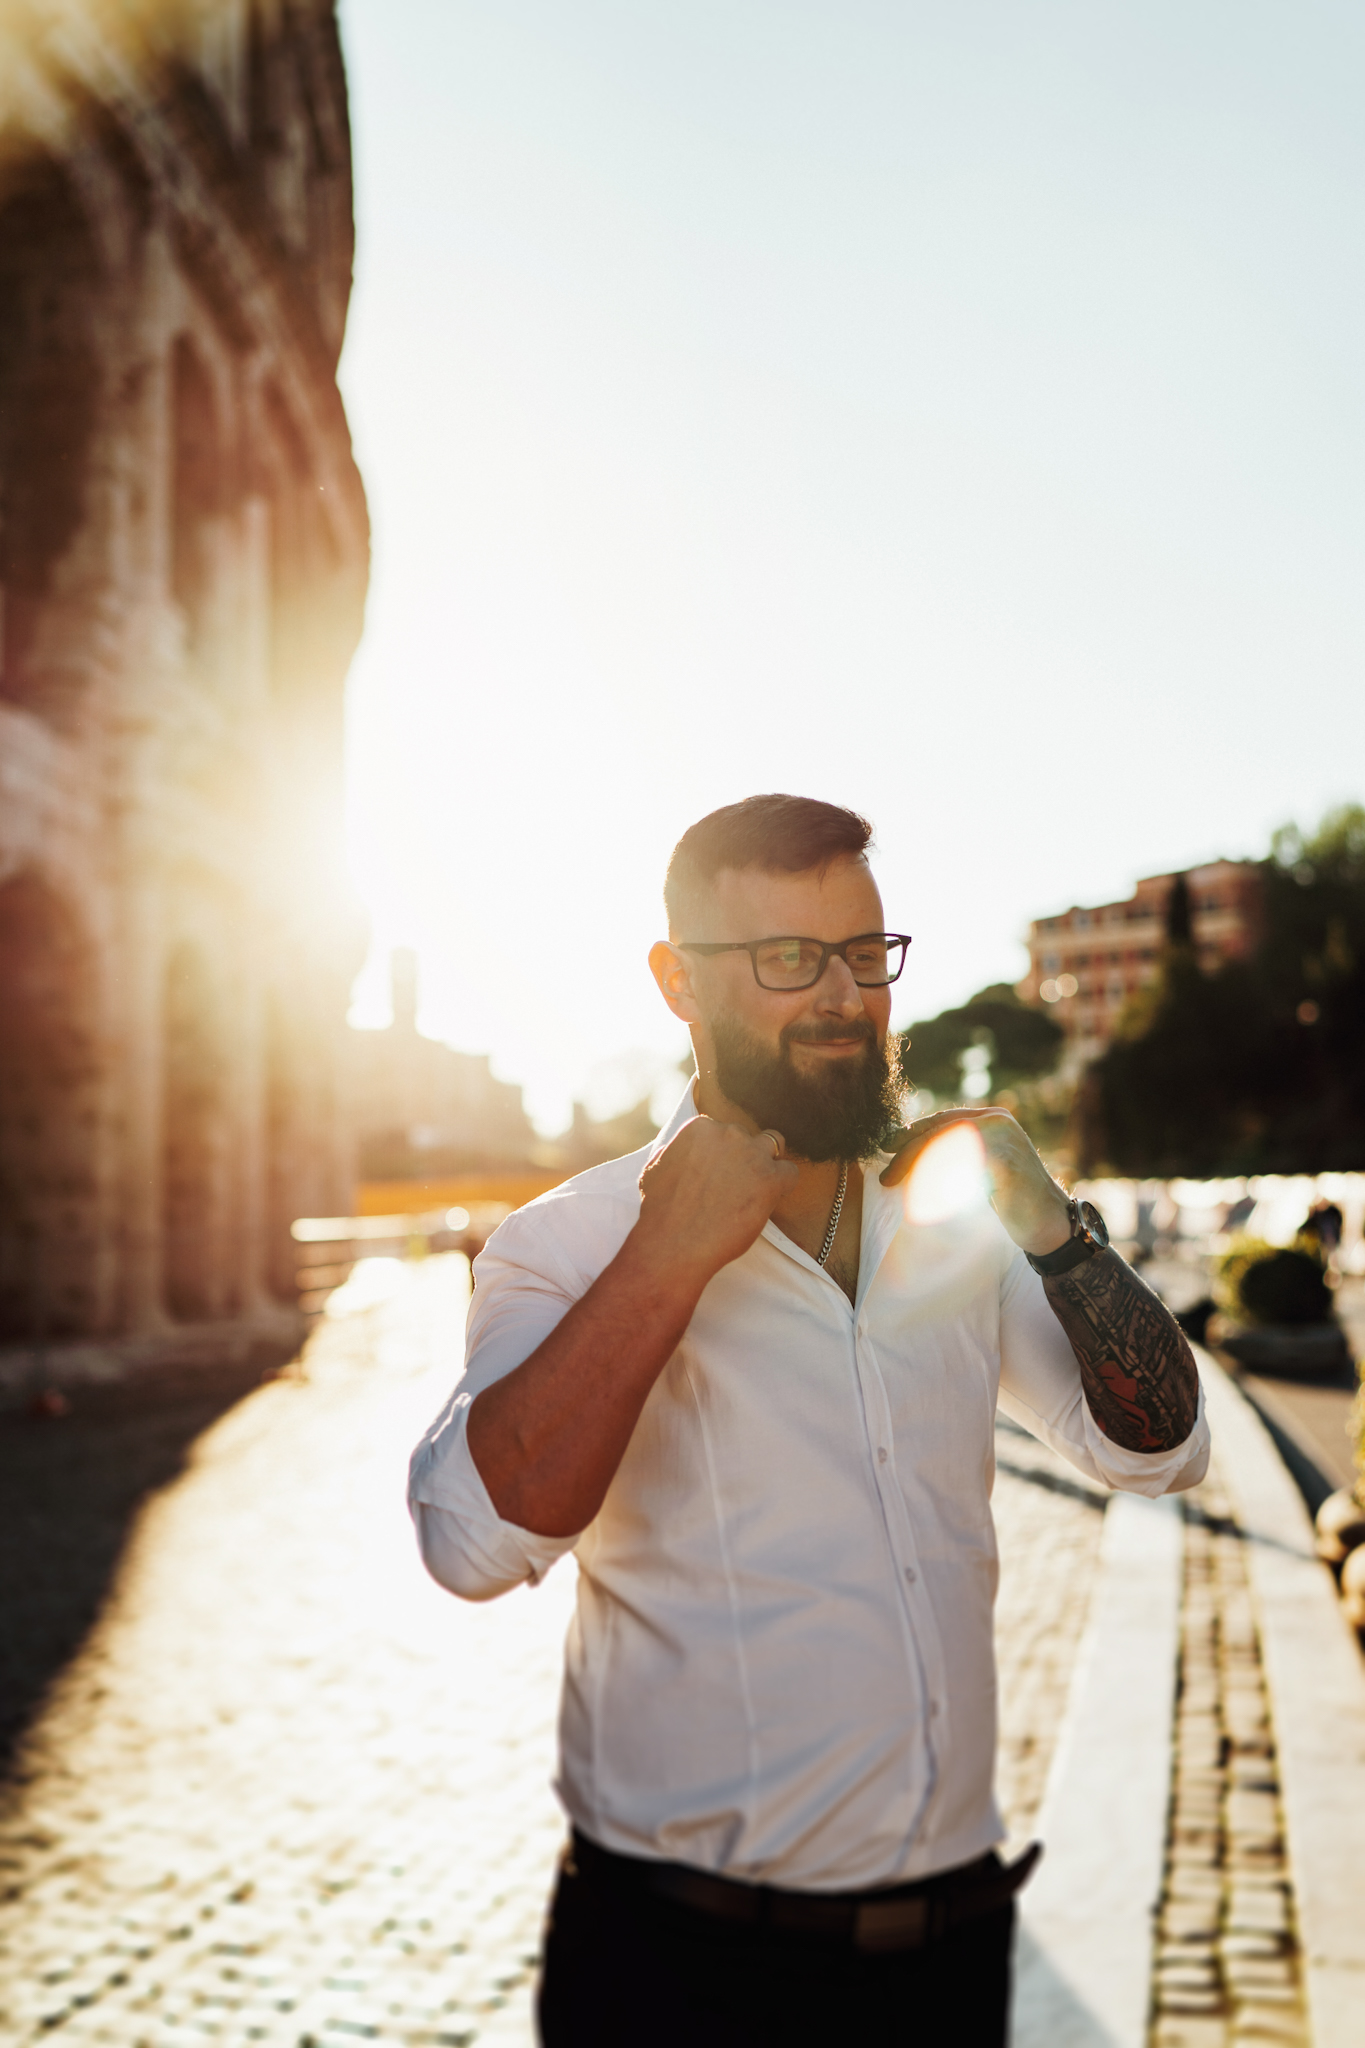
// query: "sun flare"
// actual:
[[949, 1178]]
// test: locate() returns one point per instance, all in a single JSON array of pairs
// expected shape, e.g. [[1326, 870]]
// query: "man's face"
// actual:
[[810, 1063]]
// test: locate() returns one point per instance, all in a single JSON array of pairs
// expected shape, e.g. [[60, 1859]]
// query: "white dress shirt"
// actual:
[[781, 1667]]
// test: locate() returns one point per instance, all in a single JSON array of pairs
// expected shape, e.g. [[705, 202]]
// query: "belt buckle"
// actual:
[[881, 1925]]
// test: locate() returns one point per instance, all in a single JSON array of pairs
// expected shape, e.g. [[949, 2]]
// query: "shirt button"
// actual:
[[881, 1454], [911, 1574]]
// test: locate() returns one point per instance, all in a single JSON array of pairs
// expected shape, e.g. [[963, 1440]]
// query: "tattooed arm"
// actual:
[[1137, 1371]]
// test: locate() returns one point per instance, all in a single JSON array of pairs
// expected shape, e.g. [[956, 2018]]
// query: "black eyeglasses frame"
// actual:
[[709, 947]]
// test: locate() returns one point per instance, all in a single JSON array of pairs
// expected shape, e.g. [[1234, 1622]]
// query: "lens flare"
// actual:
[[949, 1178], [946, 1256]]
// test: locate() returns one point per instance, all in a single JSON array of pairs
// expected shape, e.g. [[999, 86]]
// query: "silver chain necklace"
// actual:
[[828, 1246]]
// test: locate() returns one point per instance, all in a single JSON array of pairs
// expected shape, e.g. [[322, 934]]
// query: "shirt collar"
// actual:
[[683, 1114], [882, 1212]]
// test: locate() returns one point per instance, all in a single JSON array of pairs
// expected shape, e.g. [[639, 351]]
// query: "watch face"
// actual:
[[1095, 1225]]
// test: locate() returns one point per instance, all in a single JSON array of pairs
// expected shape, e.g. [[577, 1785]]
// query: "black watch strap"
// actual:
[[1084, 1242]]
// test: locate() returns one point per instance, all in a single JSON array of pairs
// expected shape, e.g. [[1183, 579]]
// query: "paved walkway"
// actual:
[[1048, 1522], [1313, 1414], [1228, 1969], [290, 1792]]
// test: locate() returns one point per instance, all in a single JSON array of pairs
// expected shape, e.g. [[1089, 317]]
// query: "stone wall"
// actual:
[[183, 562]]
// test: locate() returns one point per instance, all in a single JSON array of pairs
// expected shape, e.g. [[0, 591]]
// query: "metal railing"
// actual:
[[327, 1249]]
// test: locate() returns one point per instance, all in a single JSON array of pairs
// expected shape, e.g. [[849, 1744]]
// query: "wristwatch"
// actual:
[[1089, 1234]]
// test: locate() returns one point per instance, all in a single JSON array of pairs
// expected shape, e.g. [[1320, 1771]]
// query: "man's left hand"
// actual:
[[1028, 1201]]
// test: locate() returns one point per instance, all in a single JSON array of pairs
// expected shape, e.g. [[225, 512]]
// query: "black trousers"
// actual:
[[630, 1970]]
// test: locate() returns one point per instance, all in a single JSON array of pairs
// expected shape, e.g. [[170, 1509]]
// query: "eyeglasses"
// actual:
[[874, 959]]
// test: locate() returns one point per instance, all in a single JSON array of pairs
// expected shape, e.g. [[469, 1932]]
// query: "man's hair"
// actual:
[[777, 834]]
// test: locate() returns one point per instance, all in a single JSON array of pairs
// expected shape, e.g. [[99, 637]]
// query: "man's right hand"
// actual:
[[706, 1197], [547, 1439]]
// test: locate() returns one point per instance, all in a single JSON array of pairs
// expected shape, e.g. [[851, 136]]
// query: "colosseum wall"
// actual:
[[183, 563]]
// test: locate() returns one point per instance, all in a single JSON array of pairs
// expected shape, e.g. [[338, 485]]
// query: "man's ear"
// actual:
[[670, 967]]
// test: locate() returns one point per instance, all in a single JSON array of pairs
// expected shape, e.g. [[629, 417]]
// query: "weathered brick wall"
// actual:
[[183, 561]]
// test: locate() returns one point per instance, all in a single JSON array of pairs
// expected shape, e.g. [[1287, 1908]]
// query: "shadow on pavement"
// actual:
[[1341, 1377], [70, 1488], [1054, 1482], [1304, 1468]]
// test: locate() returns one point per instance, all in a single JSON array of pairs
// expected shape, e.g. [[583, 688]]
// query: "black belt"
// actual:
[[903, 1916]]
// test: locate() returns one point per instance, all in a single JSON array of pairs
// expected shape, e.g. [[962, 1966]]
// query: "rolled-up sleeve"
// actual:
[[523, 1289], [1040, 1388]]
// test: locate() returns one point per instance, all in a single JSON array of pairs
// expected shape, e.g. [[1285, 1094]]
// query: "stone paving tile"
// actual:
[[290, 1793], [1227, 1971]]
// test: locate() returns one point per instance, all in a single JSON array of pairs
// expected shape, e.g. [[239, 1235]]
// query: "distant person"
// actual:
[[1323, 1224], [1146, 1235], [759, 1405]]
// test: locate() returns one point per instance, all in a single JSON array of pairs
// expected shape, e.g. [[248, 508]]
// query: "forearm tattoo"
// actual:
[[1137, 1371]]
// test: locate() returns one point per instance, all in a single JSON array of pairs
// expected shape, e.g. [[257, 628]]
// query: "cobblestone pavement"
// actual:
[[1227, 1962], [290, 1792], [1048, 1521]]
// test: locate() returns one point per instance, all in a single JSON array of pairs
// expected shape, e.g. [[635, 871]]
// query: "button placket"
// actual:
[[922, 1621], [922, 1776], [893, 1502]]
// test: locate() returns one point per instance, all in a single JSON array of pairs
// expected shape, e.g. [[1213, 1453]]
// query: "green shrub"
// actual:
[[1267, 1283]]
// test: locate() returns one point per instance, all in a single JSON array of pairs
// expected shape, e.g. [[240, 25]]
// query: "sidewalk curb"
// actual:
[[1083, 1970], [1316, 1684]]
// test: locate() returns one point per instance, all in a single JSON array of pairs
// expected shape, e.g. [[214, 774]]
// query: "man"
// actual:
[[756, 1396]]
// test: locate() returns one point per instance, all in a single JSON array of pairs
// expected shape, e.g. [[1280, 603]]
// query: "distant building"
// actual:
[[421, 1110], [588, 1142], [1086, 964], [183, 562]]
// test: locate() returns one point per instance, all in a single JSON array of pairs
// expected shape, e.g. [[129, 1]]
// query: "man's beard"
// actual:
[[841, 1111]]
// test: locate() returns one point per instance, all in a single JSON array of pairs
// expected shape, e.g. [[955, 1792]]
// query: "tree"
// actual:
[[1024, 1043], [1257, 1066], [1179, 920]]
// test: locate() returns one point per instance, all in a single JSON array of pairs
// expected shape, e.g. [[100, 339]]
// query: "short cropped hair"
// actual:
[[776, 834]]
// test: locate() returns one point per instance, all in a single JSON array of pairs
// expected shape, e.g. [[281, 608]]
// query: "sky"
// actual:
[[951, 411]]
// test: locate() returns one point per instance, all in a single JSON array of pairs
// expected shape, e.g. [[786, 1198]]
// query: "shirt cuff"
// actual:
[[1149, 1472], [466, 1545]]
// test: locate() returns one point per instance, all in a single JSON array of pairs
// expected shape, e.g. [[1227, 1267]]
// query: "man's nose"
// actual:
[[838, 991]]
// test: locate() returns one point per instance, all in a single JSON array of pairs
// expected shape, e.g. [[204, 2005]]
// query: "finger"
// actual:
[[920, 1133], [892, 1175]]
